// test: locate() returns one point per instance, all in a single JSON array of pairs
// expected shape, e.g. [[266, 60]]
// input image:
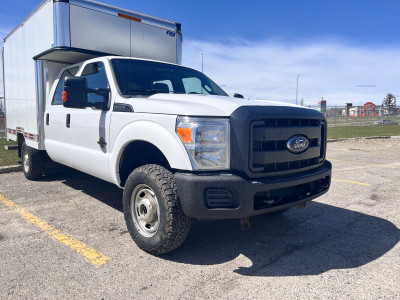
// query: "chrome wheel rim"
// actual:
[[26, 162], [145, 210]]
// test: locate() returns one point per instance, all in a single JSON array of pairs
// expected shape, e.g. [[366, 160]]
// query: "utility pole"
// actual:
[[297, 87]]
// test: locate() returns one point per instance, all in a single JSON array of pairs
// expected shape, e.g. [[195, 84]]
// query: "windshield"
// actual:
[[138, 77]]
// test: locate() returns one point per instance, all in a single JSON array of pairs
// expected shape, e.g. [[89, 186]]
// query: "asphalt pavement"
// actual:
[[344, 244]]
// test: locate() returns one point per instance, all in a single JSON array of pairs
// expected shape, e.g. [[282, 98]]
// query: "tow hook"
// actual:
[[302, 205], [245, 223]]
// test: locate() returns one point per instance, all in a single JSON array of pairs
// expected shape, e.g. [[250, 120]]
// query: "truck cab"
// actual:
[[228, 157]]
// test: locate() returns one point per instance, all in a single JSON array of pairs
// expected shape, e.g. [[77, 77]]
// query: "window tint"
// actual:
[[136, 77], [57, 99], [162, 85], [193, 85], [96, 78]]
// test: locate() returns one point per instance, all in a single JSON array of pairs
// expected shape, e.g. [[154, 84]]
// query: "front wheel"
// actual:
[[152, 210]]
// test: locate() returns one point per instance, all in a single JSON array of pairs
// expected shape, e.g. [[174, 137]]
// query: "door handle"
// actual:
[[102, 142], [68, 121], [47, 119]]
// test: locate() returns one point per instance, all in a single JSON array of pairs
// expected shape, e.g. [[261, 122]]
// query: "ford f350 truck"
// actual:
[[101, 89]]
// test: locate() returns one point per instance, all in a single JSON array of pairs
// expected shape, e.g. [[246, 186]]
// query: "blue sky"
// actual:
[[344, 51]]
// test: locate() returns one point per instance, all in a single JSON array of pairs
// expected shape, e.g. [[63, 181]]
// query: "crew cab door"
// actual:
[[79, 137]]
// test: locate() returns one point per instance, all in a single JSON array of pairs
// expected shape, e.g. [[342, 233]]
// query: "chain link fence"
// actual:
[[366, 115]]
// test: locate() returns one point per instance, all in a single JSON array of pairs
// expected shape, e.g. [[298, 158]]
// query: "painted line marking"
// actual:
[[358, 163], [90, 254], [349, 181]]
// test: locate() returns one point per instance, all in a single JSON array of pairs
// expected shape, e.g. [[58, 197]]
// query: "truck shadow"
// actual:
[[307, 242], [311, 241], [101, 190]]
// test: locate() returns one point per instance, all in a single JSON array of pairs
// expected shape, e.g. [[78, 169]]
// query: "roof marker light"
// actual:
[[129, 17]]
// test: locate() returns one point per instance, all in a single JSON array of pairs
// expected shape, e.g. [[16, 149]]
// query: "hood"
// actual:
[[195, 105]]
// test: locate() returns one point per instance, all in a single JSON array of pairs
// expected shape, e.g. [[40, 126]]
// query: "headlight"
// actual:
[[206, 141]]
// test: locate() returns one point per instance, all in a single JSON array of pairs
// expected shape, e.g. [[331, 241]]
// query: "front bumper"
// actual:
[[228, 196]]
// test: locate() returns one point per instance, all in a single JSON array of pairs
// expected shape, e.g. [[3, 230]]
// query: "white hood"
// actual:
[[195, 105]]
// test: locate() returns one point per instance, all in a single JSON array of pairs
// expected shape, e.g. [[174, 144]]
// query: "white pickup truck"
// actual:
[[177, 144]]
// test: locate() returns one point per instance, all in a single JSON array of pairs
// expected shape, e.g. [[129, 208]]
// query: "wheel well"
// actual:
[[139, 153]]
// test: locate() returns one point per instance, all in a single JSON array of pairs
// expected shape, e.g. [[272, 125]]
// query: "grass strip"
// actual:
[[8, 157], [362, 131]]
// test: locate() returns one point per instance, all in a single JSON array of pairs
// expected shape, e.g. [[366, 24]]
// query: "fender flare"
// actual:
[[167, 142]]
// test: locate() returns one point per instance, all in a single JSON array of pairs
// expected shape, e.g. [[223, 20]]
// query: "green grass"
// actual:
[[8, 157], [362, 131], [340, 121]]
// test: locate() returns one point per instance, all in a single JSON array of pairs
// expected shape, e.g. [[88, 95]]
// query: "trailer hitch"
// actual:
[[245, 223]]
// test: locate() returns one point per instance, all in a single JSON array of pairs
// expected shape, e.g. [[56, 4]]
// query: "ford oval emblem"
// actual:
[[297, 144]]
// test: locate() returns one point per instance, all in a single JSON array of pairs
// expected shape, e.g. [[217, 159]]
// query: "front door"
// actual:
[[78, 137]]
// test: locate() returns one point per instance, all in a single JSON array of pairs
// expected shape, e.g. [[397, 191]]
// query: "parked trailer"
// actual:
[[60, 33]]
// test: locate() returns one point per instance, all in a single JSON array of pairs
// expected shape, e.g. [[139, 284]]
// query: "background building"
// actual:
[[322, 106], [369, 110], [347, 107]]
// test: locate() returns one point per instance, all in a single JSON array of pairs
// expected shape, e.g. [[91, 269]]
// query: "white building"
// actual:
[[355, 111]]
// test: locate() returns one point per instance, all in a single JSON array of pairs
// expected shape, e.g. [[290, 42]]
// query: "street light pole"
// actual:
[[297, 87], [202, 63]]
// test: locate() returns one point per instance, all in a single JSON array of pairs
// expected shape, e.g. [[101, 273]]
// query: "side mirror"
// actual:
[[75, 94], [238, 96]]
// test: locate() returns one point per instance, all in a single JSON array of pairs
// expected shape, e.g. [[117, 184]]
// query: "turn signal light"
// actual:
[[185, 134], [64, 96]]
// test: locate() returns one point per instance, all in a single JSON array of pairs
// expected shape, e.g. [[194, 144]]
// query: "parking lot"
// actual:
[[65, 237]]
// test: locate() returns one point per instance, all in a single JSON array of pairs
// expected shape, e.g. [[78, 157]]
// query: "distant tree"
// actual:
[[389, 103]]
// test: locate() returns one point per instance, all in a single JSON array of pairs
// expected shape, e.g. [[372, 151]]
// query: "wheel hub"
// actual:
[[145, 210], [26, 162]]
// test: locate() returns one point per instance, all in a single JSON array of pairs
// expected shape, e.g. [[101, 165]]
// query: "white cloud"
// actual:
[[337, 72]]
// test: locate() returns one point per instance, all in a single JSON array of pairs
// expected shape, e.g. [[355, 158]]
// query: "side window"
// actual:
[[96, 79], [57, 99], [193, 86]]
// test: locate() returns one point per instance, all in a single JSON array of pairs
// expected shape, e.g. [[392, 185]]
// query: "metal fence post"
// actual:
[[335, 115]]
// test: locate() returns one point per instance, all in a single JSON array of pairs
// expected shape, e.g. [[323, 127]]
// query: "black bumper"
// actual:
[[228, 196]]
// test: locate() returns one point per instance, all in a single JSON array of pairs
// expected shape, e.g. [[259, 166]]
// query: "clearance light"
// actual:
[[129, 17], [206, 141], [64, 96]]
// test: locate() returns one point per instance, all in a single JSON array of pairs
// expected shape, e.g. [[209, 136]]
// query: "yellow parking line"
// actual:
[[349, 181], [92, 255], [365, 164]]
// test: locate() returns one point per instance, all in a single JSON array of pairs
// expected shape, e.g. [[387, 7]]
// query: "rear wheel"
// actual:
[[152, 210], [32, 162]]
